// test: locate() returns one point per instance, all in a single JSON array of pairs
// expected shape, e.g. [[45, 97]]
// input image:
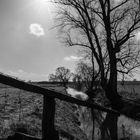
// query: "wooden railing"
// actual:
[[48, 128]]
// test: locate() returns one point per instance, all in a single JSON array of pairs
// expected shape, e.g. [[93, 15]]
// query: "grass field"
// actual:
[[134, 89], [23, 109], [19, 108]]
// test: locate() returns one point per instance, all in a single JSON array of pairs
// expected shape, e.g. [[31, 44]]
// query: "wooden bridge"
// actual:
[[48, 128]]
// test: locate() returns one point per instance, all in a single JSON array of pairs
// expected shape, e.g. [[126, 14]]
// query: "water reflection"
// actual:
[[128, 128]]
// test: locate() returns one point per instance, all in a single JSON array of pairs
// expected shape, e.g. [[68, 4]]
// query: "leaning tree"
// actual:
[[108, 28]]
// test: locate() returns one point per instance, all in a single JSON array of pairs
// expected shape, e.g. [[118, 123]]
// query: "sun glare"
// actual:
[[41, 2], [40, 7]]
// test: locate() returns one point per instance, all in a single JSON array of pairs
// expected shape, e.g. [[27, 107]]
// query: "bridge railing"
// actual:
[[49, 96]]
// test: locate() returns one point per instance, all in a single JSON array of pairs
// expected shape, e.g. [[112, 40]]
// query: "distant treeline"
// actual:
[[72, 83], [119, 82]]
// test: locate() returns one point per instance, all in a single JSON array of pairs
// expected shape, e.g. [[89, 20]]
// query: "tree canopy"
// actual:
[[108, 29], [62, 75]]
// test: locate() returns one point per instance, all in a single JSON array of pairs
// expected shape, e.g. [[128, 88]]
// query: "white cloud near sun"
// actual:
[[36, 29], [72, 58]]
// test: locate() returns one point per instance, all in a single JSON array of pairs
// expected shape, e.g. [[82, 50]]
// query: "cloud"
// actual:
[[20, 74], [72, 58], [36, 29]]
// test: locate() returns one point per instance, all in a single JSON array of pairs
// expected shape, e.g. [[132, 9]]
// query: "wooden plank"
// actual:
[[51, 93], [55, 94], [48, 121]]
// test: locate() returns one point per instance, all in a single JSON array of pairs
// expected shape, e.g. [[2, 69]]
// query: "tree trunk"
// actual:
[[110, 122]]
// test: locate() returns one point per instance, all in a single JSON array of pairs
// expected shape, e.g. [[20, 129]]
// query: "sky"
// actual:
[[29, 48]]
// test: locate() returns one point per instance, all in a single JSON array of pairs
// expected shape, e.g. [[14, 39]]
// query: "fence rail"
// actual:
[[50, 93], [48, 129]]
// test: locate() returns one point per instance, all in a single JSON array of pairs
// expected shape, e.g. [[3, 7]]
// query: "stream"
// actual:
[[126, 126]]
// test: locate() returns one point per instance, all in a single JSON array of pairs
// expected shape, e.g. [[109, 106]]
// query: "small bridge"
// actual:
[[49, 95]]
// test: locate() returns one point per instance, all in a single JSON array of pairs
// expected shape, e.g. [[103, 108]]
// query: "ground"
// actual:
[[19, 108]]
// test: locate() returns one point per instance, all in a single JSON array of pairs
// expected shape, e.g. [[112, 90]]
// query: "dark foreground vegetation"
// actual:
[[21, 111]]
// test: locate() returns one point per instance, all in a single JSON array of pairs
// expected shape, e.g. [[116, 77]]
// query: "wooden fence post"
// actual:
[[48, 129]]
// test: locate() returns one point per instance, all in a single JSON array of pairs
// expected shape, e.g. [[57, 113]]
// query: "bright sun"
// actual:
[[40, 2], [41, 7]]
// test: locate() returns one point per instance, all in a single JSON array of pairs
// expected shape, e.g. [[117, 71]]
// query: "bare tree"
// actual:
[[78, 81], [87, 76], [108, 29], [61, 75]]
